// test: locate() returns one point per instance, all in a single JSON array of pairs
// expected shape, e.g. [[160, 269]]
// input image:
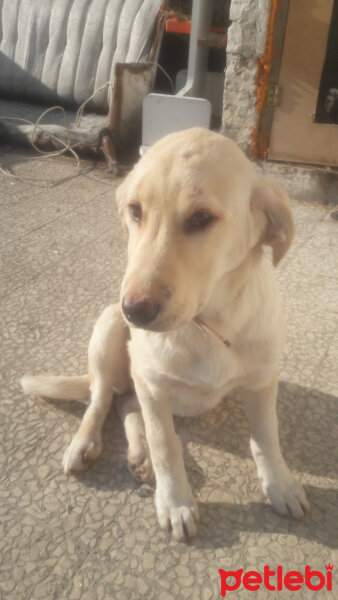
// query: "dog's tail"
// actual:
[[58, 387]]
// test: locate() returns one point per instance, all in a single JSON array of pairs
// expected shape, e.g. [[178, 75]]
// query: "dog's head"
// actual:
[[193, 208]]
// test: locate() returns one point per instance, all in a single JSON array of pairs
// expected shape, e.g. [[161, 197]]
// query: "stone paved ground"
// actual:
[[95, 536]]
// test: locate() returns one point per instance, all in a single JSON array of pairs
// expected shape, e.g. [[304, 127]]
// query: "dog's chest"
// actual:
[[206, 370], [195, 370]]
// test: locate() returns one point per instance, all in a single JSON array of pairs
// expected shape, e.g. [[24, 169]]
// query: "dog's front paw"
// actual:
[[287, 496], [177, 517], [79, 452]]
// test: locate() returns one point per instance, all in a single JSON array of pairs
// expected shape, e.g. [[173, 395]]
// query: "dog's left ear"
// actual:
[[271, 209]]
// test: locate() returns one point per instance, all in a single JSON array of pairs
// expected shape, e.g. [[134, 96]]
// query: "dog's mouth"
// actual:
[[142, 312], [171, 324], [157, 325]]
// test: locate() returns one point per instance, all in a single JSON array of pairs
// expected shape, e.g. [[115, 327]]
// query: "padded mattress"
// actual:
[[54, 51]]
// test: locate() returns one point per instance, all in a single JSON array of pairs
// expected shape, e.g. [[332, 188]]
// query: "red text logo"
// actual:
[[277, 579]]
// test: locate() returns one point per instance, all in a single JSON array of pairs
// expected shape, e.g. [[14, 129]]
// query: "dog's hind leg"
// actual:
[[108, 372], [138, 456]]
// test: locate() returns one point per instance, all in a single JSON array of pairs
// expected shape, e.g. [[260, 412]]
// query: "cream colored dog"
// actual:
[[197, 214]]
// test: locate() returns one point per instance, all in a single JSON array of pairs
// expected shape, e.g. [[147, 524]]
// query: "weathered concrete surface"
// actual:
[[95, 536], [308, 184]]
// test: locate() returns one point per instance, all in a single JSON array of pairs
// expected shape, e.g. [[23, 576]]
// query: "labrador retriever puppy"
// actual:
[[197, 215]]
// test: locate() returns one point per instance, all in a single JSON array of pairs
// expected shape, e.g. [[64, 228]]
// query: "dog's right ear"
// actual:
[[121, 195], [121, 198]]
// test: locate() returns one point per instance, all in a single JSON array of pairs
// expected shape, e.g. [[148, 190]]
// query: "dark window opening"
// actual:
[[327, 102], [175, 47]]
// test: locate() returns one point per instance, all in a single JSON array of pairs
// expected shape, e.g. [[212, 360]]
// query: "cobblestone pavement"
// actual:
[[95, 536]]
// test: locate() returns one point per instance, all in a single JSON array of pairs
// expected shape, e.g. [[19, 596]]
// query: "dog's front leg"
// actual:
[[176, 509], [285, 493], [108, 365]]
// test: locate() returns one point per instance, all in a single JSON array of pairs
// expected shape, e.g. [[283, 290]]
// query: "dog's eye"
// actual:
[[135, 211], [198, 221]]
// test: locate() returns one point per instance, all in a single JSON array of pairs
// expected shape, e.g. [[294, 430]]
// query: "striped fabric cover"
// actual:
[[62, 50]]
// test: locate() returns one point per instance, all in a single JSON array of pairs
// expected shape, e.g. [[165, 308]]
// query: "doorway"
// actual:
[[305, 121]]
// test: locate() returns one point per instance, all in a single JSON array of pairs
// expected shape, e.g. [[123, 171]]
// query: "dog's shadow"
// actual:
[[306, 427], [222, 523], [308, 441]]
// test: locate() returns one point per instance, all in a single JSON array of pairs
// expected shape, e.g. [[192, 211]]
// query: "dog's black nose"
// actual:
[[140, 312]]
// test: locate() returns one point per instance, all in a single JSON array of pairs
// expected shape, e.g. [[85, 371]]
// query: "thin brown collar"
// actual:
[[211, 331]]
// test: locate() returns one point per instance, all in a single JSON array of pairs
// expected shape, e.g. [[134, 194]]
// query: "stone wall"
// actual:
[[246, 44]]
